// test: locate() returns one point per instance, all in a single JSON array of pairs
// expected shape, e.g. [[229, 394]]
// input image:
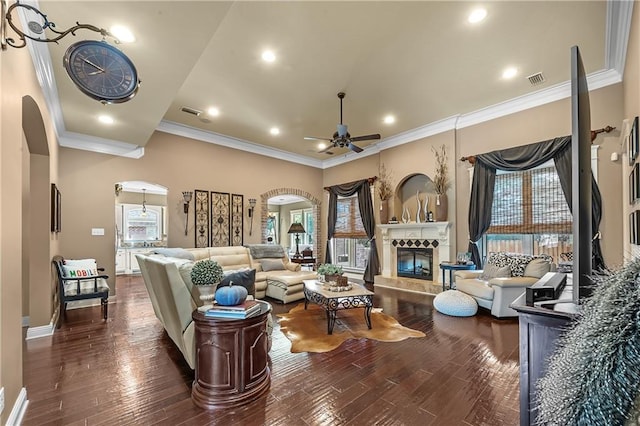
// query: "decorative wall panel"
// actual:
[[237, 224], [220, 223], [202, 218]]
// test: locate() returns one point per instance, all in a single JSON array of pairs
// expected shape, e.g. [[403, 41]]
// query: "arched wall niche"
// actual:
[[264, 211], [404, 195]]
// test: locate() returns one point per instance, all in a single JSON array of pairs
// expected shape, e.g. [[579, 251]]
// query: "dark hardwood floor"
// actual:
[[128, 372]]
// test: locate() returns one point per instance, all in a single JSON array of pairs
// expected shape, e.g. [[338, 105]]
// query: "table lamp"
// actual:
[[297, 229]]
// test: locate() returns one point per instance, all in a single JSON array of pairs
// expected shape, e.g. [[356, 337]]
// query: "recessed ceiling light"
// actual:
[[268, 56], [213, 111], [322, 145], [105, 119], [274, 131], [509, 72], [389, 119], [477, 15], [122, 33]]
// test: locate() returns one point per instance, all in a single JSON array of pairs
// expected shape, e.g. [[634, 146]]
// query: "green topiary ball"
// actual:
[[206, 272]]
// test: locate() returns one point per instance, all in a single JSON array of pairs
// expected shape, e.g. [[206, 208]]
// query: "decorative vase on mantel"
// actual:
[[441, 207], [384, 212]]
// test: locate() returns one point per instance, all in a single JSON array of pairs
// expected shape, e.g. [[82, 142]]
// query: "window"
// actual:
[[350, 244], [305, 217], [529, 214]]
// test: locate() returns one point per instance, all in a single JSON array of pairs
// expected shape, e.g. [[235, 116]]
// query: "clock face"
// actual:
[[101, 71]]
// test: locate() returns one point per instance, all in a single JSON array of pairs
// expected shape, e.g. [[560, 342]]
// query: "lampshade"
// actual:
[[296, 228]]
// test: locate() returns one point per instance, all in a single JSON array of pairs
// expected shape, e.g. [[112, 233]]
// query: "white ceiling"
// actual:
[[420, 61]]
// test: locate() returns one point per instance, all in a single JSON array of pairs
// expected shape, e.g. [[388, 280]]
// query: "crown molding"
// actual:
[[560, 91], [100, 145], [235, 143], [618, 26]]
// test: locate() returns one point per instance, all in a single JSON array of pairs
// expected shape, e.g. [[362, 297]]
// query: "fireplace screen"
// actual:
[[415, 263]]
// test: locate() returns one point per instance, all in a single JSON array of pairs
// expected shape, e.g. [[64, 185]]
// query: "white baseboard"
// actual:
[[19, 408], [41, 331]]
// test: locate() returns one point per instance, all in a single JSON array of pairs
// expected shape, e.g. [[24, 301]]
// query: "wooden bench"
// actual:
[[71, 289]]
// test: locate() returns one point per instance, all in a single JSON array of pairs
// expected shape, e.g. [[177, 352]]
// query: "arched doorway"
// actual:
[[315, 209], [141, 222], [38, 289]]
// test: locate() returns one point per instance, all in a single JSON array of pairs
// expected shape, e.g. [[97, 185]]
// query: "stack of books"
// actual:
[[244, 310]]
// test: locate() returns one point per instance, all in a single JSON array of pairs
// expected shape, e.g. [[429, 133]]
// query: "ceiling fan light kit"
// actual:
[[341, 138]]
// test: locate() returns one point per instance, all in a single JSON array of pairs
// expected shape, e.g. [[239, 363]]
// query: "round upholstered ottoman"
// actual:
[[455, 303]]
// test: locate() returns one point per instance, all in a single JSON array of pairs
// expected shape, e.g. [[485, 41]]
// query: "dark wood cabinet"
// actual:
[[231, 360], [539, 331]]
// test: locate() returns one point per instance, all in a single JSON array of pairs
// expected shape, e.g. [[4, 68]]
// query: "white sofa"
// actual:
[[498, 286]]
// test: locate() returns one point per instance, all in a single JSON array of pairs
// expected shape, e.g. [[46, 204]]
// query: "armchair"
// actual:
[[505, 278]]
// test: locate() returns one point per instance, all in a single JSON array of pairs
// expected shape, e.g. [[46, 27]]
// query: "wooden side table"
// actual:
[[231, 360], [305, 261]]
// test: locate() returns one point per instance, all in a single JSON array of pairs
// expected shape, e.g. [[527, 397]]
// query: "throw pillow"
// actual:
[[494, 271], [498, 259], [80, 268], [179, 253], [518, 263], [246, 278], [272, 265], [537, 268]]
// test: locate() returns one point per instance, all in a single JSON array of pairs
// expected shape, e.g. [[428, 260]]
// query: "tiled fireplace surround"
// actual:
[[435, 235]]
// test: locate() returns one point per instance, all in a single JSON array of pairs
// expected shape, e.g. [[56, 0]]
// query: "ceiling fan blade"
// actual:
[[365, 138], [326, 150], [354, 148], [311, 138]]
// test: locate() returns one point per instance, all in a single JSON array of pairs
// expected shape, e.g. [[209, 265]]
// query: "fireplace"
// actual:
[[415, 263]]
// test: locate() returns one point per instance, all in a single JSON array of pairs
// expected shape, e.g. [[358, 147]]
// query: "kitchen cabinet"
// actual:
[[126, 261], [121, 261]]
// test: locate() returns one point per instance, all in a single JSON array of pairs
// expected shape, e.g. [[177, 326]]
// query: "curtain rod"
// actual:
[[594, 133], [371, 180]]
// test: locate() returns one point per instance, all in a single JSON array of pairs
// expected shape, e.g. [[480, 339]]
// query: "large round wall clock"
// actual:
[[101, 71]]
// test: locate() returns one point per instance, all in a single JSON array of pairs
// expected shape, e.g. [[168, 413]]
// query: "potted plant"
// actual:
[[205, 274], [330, 271], [441, 182], [384, 193]]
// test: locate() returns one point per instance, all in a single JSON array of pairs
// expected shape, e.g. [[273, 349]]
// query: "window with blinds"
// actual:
[[529, 202], [349, 223]]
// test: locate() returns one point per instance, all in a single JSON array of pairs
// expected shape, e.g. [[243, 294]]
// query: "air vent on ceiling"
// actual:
[[191, 111], [535, 79]]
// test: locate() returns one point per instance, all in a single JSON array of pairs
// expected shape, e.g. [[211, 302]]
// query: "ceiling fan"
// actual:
[[342, 138]]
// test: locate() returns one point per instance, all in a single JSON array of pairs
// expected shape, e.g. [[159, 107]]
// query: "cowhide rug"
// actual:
[[307, 329]]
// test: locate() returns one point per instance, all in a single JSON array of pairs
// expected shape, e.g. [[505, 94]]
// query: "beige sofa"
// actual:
[[497, 292], [174, 298], [276, 277]]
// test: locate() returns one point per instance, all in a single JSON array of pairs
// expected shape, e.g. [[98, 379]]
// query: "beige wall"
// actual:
[[542, 123], [17, 79], [177, 163]]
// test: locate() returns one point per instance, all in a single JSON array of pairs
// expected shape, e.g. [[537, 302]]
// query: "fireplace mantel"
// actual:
[[438, 231]]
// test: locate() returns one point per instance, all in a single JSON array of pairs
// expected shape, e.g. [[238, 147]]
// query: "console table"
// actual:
[[231, 359], [305, 261]]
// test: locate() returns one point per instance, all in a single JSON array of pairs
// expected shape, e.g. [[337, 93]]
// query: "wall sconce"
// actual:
[[252, 206], [186, 196]]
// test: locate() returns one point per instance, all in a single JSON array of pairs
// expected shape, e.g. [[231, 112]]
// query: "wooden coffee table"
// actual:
[[332, 301]]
